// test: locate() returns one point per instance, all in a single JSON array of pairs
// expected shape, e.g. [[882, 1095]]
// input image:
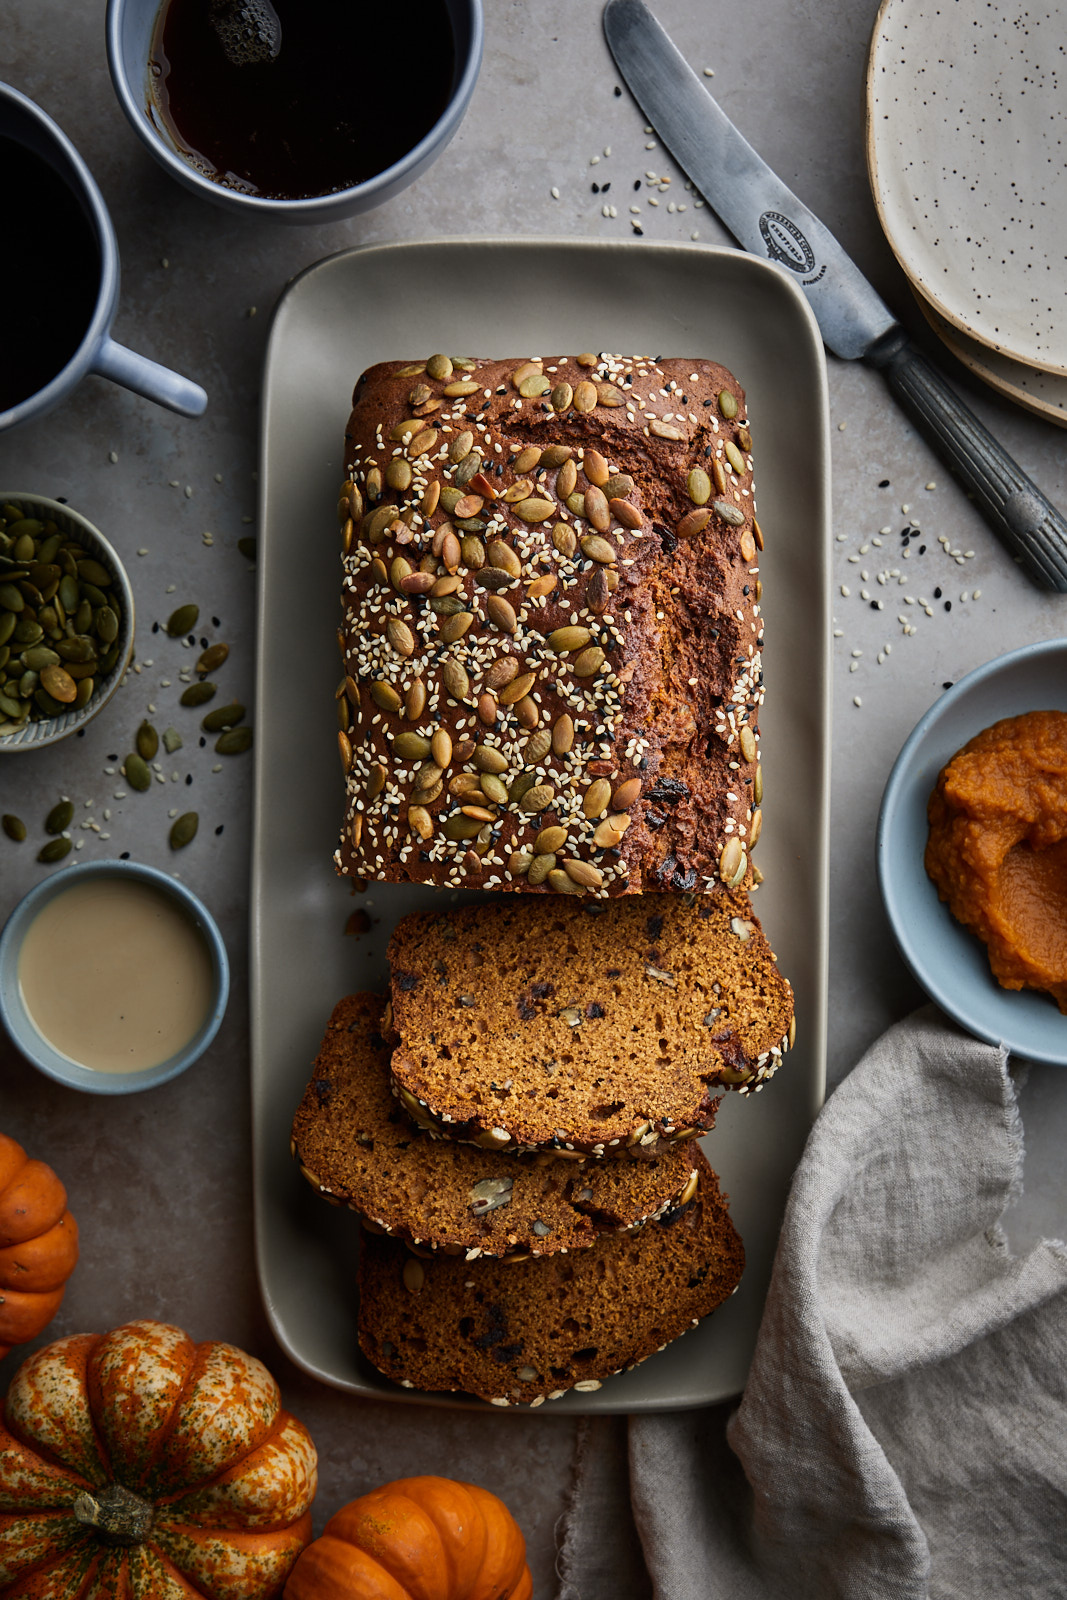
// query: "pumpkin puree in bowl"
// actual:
[[997, 849]]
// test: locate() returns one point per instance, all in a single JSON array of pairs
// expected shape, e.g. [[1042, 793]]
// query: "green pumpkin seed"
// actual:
[[8, 619], [247, 547], [147, 741], [182, 621], [734, 457], [85, 691], [11, 597], [60, 817], [234, 742], [727, 405], [106, 624], [223, 717], [39, 656], [731, 514], [80, 649], [54, 851], [212, 658], [137, 772], [13, 826], [198, 694], [411, 746], [91, 571], [698, 485], [69, 594], [183, 830]]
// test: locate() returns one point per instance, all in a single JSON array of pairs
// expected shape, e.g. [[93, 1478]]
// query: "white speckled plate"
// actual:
[[1044, 393], [510, 297], [967, 154]]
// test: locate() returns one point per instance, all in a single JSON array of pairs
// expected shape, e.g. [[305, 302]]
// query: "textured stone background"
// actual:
[[161, 1183]]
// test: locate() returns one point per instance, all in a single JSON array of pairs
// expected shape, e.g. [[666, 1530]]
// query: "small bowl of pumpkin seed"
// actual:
[[66, 621]]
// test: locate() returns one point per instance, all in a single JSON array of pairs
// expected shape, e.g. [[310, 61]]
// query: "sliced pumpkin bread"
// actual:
[[526, 1332], [355, 1144], [592, 1026]]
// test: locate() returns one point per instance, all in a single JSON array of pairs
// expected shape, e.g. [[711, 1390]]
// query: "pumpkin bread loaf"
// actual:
[[525, 1332], [551, 636], [355, 1144], [576, 1025]]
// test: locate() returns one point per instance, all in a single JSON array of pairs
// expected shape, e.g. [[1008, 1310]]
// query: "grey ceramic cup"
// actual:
[[130, 25], [25, 122]]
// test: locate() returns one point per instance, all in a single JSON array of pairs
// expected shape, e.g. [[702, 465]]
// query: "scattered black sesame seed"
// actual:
[[637, 184], [155, 627], [215, 622], [874, 605], [884, 484], [604, 187], [188, 778], [947, 685], [948, 605], [203, 742], [937, 593], [125, 856], [636, 228], [219, 829], [922, 549], [81, 733], [596, 188]]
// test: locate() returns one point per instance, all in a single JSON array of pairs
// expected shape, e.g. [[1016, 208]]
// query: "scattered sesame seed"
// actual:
[[856, 701], [554, 192]]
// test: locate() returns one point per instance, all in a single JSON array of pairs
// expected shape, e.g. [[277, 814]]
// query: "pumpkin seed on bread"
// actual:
[[355, 1144], [581, 1026], [524, 1333], [551, 625]]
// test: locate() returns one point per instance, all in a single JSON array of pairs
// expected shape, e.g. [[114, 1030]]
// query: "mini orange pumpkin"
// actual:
[[38, 1245], [137, 1465], [416, 1539]]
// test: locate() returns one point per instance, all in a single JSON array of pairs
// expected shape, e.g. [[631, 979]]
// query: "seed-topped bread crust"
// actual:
[[355, 1144], [551, 636], [570, 1025], [521, 1334]]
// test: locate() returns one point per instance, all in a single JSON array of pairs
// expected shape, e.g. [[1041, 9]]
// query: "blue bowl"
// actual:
[[948, 961], [35, 1046]]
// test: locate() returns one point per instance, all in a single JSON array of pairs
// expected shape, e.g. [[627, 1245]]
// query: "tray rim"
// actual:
[[816, 1018]]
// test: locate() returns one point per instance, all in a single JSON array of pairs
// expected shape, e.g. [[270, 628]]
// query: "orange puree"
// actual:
[[998, 847]]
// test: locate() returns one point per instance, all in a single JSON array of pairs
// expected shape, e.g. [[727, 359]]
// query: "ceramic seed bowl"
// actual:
[[129, 27], [32, 735], [19, 1023]]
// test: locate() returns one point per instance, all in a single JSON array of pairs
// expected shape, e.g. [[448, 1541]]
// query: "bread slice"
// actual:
[[524, 1333], [355, 1144], [585, 1026]]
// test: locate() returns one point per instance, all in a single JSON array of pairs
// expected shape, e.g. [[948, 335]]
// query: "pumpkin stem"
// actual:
[[119, 1516]]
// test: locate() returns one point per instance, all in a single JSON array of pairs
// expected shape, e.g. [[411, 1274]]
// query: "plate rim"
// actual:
[[892, 809], [878, 189], [1057, 415], [816, 1015]]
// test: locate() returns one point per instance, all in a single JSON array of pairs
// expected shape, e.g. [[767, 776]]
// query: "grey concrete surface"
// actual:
[[161, 1183]]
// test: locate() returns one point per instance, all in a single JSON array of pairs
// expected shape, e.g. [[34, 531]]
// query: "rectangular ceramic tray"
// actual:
[[519, 297]]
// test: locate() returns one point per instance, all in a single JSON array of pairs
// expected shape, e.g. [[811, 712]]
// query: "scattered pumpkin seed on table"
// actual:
[[223, 717], [54, 851], [183, 830], [14, 827], [183, 620], [198, 694], [234, 741], [147, 742], [61, 816], [137, 772]]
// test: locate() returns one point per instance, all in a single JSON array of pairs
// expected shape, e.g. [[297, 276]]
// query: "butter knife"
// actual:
[[767, 218]]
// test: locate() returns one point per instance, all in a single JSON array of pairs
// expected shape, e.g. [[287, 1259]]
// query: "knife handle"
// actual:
[[1019, 514]]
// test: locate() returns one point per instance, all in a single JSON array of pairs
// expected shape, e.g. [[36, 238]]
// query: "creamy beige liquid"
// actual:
[[114, 975]]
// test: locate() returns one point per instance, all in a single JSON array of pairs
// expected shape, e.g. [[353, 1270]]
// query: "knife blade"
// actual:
[[766, 218]]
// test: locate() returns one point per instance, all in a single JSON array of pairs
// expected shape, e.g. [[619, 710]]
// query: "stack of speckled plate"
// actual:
[[965, 138]]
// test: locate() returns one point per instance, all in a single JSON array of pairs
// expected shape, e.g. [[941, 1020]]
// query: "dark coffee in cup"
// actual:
[[49, 274]]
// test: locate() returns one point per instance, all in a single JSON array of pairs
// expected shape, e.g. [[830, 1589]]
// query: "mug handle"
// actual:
[[148, 378]]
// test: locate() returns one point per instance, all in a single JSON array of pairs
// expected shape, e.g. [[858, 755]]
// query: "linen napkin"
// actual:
[[903, 1431]]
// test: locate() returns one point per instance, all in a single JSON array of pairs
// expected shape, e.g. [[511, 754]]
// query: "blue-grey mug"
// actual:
[[25, 123]]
